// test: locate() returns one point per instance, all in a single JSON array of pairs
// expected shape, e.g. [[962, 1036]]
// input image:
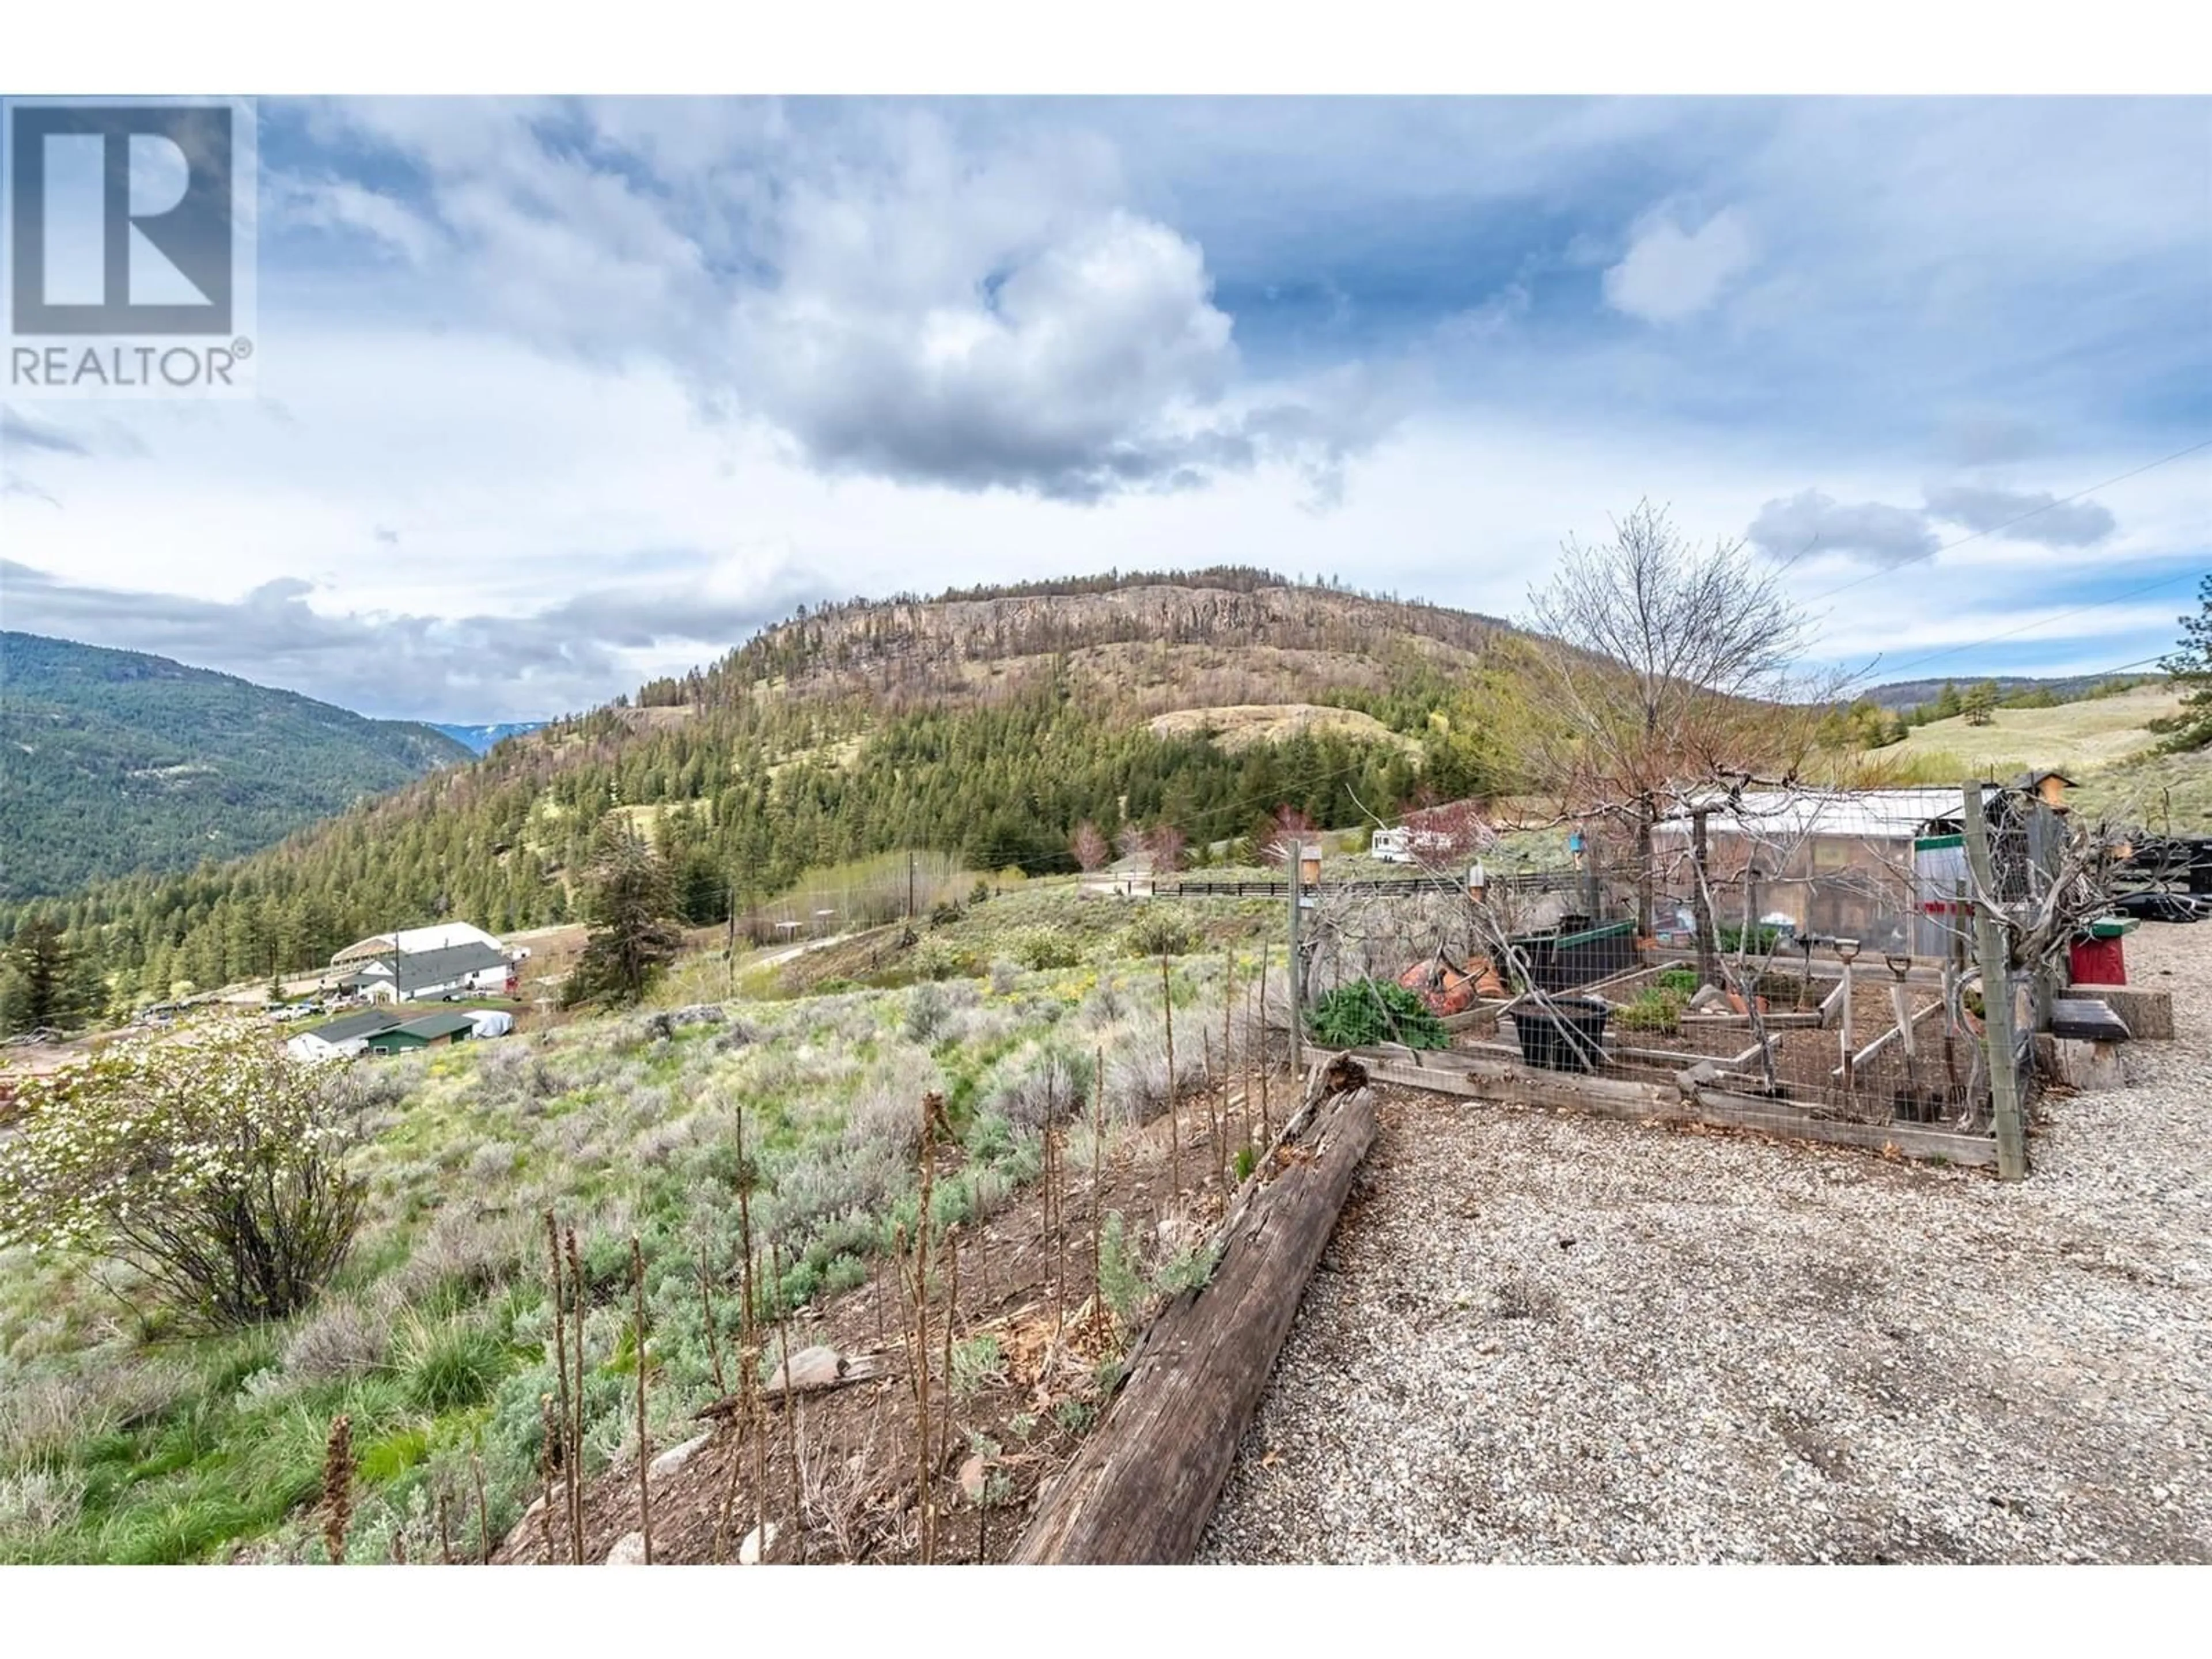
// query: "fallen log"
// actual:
[[1144, 1484]]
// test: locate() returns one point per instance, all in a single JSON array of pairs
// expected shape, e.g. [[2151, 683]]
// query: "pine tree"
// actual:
[[627, 905], [41, 987], [1980, 705]]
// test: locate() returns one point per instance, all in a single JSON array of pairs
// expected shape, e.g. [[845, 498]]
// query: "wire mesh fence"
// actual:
[[1535, 978]]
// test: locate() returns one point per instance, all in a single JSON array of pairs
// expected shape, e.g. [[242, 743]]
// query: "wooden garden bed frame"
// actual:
[[1490, 1074]]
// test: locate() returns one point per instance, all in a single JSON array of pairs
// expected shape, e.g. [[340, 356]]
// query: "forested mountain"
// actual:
[[986, 724], [111, 761]]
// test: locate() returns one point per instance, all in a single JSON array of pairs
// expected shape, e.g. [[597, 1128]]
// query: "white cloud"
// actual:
[[899, 301], [2006, 512], [1670, 274], [1073, 357], [340, 204], [689, 359], [1811, 523]]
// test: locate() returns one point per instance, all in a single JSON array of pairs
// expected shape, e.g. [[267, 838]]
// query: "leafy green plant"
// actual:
[[1045, 947], [1654, 1009], [1763, 939], [1370, 1010], [936, 958], [1683, 981]]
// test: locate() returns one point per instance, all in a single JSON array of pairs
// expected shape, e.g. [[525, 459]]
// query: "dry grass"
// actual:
[[2169, 793], [2082, 735], [1240, 726]]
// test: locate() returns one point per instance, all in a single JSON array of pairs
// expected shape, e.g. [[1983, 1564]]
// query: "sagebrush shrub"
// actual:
[[340, 1340], [886, 1116], [41, 1500], [493, 1162], [43, 1415], [977, 1363], [1120, 1279], [1160, 932], [927, 1008], [464, 1253], [1041, 1085]]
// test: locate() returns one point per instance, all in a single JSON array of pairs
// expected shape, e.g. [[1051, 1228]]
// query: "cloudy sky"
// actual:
[[553, 396]]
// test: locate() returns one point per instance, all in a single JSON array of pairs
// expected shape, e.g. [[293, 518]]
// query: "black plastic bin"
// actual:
[[1578, 954], [1568, 1036]]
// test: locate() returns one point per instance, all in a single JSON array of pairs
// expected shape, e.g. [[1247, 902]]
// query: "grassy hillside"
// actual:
[[2105, 745], [2075, 737], [2169, 793], [122, 1441], [111, 761]]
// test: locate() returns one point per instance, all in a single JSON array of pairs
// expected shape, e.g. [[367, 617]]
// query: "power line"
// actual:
[[1994, 529], [2079, 610]]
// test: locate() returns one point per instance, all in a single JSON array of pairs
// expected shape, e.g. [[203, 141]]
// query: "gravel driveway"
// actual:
[[1545, 1338]]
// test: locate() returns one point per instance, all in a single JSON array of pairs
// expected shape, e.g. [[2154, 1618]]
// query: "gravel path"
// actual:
[[1545, 1338]]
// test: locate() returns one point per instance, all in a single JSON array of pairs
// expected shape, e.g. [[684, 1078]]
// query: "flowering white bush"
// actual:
[[210, 1160]]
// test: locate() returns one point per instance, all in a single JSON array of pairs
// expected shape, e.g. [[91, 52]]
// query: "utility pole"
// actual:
[[1997, 994]]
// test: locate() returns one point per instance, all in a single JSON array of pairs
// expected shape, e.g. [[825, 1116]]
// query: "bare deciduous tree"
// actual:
[[1663, 667], [1089, 846]]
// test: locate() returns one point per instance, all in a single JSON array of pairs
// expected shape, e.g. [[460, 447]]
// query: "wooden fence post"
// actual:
[[2045, 841], [1997, 994], [1701, 909]]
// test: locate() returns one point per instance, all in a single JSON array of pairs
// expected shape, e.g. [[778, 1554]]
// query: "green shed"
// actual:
[[431, 1031]]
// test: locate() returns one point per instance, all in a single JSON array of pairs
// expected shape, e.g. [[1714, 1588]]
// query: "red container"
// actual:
[[2096, 962]]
